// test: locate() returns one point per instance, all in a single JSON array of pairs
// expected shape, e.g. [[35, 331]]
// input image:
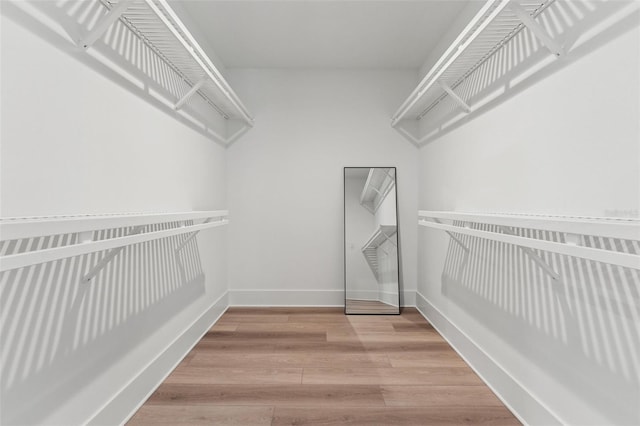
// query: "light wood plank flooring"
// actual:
[[295, 366]]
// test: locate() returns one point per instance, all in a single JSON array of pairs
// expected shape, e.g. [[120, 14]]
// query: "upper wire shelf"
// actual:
[[493, 26], [379, 236], [380, 181], [158, 27]]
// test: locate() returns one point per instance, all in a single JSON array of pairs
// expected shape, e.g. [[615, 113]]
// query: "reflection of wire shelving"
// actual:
[[497, 22], [574, 239], [380, 182], [158, 27], [370, 248], [84, 234]]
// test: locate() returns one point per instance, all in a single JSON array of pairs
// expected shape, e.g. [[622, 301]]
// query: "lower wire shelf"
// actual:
[[84, 227], [572, 231]]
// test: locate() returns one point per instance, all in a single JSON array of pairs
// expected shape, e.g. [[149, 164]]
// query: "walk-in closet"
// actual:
[[321, 212]]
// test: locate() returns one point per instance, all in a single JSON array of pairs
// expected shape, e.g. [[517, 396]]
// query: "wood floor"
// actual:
[[295, 366]]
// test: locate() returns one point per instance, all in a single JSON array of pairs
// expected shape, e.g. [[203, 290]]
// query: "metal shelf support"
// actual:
[[454, 238], [388, 238], [108, 257], [193, 235], [457, 99], [183, 100], [573, 239], [112, 16], [536, 29], [535, 257]]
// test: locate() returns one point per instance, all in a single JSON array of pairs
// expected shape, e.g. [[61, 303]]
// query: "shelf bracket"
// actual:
[[369, 209], [537, 29], [388, 238], [106, 22], [388, 173], [572, 239], [454, 238], [457, 99], [183, 100], [108, 257], [534, 256], [85, 237], [192, 236]]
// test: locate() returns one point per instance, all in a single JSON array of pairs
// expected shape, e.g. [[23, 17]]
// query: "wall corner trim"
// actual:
[[525, 406], [125, 403]]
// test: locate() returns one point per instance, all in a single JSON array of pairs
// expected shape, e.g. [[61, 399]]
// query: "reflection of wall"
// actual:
[[286, 177], [359, 225], [387, 252], [566, 145], [74, 142], [388, 272], [386, 213]]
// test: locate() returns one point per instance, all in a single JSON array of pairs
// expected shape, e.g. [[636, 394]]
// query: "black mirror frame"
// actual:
[[344, 237]]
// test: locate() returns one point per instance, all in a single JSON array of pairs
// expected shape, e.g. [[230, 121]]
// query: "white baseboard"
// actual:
[[286, 297], [528, 409], [122, 406], [297, 298]]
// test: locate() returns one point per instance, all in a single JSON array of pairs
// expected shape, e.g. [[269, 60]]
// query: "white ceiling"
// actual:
[[323, 34]]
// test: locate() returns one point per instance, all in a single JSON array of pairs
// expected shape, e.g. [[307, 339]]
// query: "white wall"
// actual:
[[74, 142], [454, 29], [386, 213], [568, 145], [286, 178], [388, 252], [388, 271]]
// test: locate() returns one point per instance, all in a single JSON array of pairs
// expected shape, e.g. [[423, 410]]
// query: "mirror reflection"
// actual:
[[371, 241]]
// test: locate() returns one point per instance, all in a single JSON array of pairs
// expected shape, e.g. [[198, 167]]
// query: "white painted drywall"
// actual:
[[74, 142], [387, 252], [388, 271], [465, 15], [386, 212], [286, 175], [570, 144]]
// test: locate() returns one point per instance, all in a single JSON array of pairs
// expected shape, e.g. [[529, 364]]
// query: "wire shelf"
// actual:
[[157, 26], [491, 29], [86, 240], [575, 233]]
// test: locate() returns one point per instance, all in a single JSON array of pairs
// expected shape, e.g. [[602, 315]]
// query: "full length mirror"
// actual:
[[371, 241]]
